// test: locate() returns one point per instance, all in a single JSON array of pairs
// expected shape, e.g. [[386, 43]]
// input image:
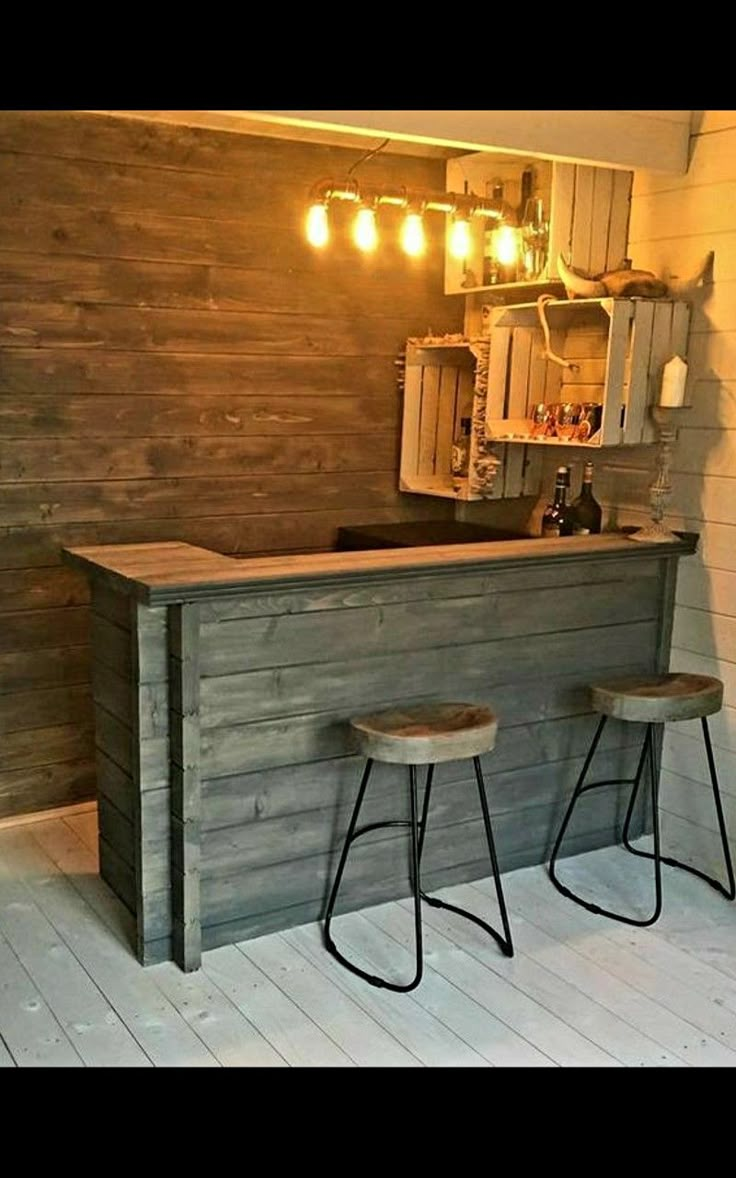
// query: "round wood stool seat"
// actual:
[[426, 734], [658, 699]]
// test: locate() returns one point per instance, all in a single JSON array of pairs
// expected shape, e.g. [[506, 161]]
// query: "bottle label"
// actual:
[[550, 530]]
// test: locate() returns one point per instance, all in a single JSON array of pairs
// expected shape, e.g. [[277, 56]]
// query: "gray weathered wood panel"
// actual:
[[293, 791], [421, 588], [301, 713], [321, 831], [381, 868], [229, 647], [258, 924], [186, 794]]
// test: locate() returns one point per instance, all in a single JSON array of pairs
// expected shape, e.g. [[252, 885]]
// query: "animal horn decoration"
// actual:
[[622, 283], [682, 287]]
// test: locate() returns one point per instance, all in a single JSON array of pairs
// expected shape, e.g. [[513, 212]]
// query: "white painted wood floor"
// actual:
[[581, 991]]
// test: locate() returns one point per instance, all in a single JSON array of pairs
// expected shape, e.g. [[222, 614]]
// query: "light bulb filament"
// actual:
[[460, 239], [365, 233], [413, 238], [318, 226], [506, 245]]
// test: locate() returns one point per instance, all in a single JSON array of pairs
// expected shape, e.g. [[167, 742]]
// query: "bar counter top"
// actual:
[[166, 573]]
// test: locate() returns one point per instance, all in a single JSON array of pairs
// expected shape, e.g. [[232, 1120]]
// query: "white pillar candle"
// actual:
[[674, 378]]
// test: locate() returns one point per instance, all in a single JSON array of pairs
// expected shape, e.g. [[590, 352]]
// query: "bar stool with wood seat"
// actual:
[[427, 734], [651, 700]]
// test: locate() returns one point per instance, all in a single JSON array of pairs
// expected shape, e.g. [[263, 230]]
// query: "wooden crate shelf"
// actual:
[[618, 348], [443, 383], [587, 207]]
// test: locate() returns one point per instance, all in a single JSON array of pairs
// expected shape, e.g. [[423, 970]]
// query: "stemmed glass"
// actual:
[[534, 238]]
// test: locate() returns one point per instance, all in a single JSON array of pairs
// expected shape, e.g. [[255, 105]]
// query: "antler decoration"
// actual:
[[548, 353]]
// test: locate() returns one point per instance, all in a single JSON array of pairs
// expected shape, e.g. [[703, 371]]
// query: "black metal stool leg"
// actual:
[[504, 941], [505, 944], [730, 891], [350, 837], [580, 788], [344, 854], [415, 878], [635, 791], [425, 808]]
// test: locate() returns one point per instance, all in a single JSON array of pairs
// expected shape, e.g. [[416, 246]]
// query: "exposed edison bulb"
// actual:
[[413, 239], [318, 228], [506, 245], [365, 233], [460, 238]]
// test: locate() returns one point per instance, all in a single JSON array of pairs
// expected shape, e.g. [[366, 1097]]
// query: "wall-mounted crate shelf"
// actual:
[[439, 390], [443, 383], [587, 208], [618, 348]]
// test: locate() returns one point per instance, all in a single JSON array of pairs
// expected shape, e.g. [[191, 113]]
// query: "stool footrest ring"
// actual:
[[729, 893], [505, 944]]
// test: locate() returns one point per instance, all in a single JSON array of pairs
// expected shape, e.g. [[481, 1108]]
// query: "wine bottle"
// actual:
[[491, 265], [587, 510], [558, 518], [460, 457]]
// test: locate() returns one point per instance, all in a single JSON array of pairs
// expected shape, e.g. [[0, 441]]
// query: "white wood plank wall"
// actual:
[[674, 222]]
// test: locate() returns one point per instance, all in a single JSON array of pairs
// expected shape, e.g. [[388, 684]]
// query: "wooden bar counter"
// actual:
[[222, 688]]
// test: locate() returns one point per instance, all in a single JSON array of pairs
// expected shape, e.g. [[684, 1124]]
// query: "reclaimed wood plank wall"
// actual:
[[175, 363]]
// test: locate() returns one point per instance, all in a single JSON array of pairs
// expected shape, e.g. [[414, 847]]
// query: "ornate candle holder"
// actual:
[[666, 421]]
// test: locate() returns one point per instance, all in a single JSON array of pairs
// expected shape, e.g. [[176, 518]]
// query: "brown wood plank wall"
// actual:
[[176, 363]]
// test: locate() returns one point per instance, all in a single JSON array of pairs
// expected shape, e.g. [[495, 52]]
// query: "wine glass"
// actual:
[[568, 415], [534, 238]]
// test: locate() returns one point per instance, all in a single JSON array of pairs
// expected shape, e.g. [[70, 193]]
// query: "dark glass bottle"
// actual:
[[587, 510], [460, 457], [491, 266], [559, 518]]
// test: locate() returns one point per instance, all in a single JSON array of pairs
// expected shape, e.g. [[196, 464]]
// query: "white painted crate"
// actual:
[[618, 347], [442, 384]]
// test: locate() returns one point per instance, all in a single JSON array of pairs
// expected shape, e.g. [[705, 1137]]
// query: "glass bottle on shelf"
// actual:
[[491, 265], [460, 457], [559, 518], [588, 514]]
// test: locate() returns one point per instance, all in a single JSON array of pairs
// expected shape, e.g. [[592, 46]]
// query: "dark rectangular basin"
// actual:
[[419, 534]]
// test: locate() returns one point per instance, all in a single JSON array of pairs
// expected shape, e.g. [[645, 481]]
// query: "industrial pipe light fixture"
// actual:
[[369, 198]]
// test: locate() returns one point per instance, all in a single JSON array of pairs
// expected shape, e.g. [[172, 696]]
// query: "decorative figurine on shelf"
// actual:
[[665, 415], [626, 283]]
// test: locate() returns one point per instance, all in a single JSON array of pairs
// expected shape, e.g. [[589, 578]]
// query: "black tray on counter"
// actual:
[[418, 534]]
